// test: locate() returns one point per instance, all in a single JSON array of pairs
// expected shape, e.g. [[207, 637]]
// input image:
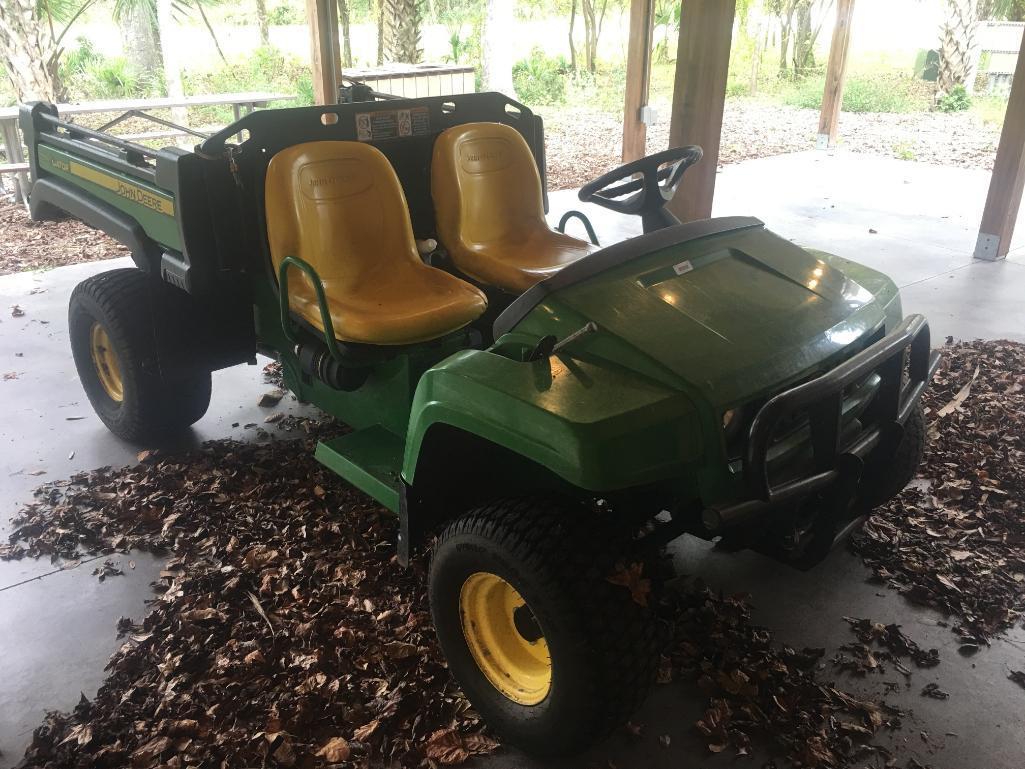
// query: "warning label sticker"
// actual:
[[388, 124]]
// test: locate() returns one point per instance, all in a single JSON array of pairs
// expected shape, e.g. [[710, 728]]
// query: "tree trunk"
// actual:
[[497, 47], [380, 32], [140, 38], [804, 54], [343, 18], [28, 52], [263, 22], [594, 16], [169, 54], [957, 47], [756, 61], [589, 12], [572, 45], [402, 31], [786, 23]]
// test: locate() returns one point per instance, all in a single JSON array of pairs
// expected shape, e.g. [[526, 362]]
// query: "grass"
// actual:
[[892, 93], [989, 109], [865, 91], [266, 69], [904, 151]]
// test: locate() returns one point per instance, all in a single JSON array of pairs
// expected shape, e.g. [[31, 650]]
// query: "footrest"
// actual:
[[370, 459]]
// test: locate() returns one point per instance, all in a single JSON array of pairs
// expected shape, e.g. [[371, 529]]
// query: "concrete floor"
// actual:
[[57, 625]]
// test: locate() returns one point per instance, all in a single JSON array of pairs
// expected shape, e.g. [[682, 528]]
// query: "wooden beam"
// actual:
[[1005, 186], [638, 80], [325, 55], [836, 74], [699, 96]]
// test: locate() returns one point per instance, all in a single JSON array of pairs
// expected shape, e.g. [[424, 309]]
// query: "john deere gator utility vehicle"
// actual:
[[546, 411]]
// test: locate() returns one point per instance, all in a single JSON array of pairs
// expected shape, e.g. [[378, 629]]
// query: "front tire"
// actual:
[[115, 320], [883, 480], [548, 650]]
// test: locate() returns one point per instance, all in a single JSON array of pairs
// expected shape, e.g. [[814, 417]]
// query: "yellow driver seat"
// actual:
[[339, 206], [489, 209]]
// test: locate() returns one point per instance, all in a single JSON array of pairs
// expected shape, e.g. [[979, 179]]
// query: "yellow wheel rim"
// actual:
[[504, 638], [108, 368]]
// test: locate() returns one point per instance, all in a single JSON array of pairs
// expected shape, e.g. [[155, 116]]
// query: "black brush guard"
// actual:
[[835, 466]]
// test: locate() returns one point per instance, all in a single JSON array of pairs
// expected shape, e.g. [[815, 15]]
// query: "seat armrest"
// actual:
[[325, 316]]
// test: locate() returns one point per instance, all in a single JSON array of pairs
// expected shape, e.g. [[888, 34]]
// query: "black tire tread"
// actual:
[[166, 401], [885, 480], [573, 552]]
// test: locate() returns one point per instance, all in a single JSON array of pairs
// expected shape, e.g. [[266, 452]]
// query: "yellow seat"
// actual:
[[489, 209], [339, 206]]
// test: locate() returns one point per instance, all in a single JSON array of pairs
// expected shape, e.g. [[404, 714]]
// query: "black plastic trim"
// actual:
[[99, 154], [62, 195], [613, 256]]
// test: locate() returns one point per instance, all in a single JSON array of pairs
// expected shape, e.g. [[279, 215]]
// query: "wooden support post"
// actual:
[[325, 54], [636, 112], [1005, 186], [699, 96], [836, 74]]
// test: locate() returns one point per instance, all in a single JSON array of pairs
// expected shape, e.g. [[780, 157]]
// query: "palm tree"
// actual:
[[957, 44], [31, 32], [401, 30], [497, 50], [140, 36]]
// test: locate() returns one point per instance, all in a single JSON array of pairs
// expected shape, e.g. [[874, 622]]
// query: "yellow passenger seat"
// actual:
[[339, 206], [489, 209]]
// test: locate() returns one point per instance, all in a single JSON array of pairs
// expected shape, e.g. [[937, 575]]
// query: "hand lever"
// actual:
[[548, 346]]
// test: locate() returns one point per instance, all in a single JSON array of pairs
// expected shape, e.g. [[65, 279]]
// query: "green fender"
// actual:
[[597, 426]]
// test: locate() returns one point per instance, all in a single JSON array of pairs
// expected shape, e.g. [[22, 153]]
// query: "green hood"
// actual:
[[734, 315]]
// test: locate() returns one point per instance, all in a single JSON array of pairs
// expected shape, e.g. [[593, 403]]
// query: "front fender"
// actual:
[[597, 426]]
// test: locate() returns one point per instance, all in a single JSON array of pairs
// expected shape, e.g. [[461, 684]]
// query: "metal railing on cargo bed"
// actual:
[[15, 165]]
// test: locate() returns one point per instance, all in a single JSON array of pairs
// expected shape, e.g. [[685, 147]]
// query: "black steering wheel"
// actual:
[[657, 177]]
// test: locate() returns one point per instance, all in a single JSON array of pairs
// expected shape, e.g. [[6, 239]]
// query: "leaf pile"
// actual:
[[960, 546], [29, 245], [285, 633], [895, 646], [759, 689]]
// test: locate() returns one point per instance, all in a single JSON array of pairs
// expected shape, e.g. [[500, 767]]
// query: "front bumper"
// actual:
[[837, 458]]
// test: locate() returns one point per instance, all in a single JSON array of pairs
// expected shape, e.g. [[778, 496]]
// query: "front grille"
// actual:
[[793, 430]]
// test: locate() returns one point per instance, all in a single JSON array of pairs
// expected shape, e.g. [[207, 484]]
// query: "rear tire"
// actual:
[[115, 321], [556, 561], [883, 480]]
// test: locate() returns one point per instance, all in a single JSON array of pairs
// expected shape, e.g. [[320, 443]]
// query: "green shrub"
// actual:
[[990, 109], [957, 100], [465, 49], [117, 79], [737, 87], [303, 90], [89, 74], [878, 93], [281, 15], [266, 69], [76, 60], [904, 151], [540, 80], [602, 90]]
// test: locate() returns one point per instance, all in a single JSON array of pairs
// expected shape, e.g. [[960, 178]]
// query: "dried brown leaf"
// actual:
[[631, 577]]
